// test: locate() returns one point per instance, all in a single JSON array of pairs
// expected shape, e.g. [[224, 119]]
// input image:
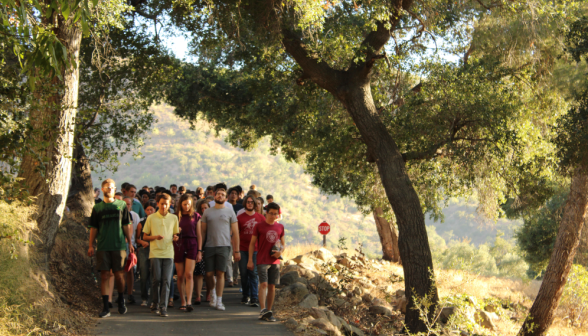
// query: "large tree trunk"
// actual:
[[541, 314], [81, 191], [53, 123], [388, 236], [413, 241]]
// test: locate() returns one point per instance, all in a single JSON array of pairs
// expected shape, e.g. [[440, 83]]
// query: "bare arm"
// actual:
[[93, 234], [128, 230], [251, 250], [138, 236], [150, 238], [235, 239], [199, 234]]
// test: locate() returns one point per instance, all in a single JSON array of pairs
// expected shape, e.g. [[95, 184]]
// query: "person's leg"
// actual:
[[210, 266], [105, 289], [156, 281], [236, 272], [189, 279], [229, 268], [130, 282], [271, 293], [166, 277], [181, 284], [262, 292], [172, 287], [220, 283], [110, 286], [244, 274], [198, 280], [254, 280], [143, 260]]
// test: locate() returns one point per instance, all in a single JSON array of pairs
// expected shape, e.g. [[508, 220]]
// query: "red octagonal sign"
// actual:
[[324, 228]]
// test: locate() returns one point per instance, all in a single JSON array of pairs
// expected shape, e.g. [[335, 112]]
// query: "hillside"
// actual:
[[176, 154]]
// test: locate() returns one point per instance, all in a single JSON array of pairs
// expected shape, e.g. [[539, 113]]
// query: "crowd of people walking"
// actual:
[[205, 235]]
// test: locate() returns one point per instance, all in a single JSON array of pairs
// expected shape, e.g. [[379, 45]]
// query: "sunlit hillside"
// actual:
[[176, 154]]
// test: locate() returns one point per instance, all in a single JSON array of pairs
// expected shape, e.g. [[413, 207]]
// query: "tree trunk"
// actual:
[[413, 241], [388, 236], [81, 191], [53, 122], [541, 313]]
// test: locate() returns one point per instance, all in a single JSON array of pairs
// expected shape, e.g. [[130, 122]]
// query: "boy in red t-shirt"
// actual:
[[247, 223], [270, 240]]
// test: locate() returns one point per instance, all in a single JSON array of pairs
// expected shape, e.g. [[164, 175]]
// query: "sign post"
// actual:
[[324, 228]]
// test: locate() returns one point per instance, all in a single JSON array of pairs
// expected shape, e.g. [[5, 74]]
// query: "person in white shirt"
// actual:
[[135, 221]]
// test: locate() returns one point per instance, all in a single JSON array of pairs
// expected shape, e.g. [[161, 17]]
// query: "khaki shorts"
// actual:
[[111, 260], [269, 274]]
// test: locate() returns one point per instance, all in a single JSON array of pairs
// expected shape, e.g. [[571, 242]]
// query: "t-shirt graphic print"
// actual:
[[267, 236]]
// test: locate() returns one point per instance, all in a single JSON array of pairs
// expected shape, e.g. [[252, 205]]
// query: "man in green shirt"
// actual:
[[109, 225]]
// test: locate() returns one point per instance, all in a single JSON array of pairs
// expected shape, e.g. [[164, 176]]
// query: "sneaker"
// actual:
[[220, 306], [263, 311], [163, 313], [245, 300], [131, 299], [231, 284], [267, 315], [155, 309], [213, 299], [104, 313], [144, 303], [254, 303], [270, 319], [122, 309]]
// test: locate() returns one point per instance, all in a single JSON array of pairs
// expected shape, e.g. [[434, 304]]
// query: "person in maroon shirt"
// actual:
[[270, 240], [247, 222], [186, 252]]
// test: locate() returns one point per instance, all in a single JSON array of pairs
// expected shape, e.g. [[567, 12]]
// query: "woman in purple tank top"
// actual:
[[186, 250]]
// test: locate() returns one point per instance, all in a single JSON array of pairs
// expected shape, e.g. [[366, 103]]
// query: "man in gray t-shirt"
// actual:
[[219, 226]]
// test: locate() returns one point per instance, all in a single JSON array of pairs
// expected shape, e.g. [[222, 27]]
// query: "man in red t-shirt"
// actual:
[[247, 223], [270, 240]]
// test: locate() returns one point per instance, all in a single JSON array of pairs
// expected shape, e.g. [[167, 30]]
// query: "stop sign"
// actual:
[[324, 228]]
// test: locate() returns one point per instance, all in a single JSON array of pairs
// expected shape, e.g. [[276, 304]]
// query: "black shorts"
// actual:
[[111, 260], [269, 274], [216, 258]]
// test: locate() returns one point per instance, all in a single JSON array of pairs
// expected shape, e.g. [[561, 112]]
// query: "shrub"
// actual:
[[574, 300]]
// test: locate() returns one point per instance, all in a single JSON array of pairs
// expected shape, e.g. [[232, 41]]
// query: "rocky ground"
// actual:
[[326, 294]]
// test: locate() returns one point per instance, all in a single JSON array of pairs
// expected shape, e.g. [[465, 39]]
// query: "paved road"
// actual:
[[238, 320]]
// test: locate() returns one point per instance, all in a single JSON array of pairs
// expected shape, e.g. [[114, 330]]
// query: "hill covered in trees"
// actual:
[[174, 153]]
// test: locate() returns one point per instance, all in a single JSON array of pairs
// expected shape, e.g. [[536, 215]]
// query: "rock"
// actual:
[[294, 292], [345, 262], [339, 303], [355, 301], [333, 319], [345, 327], [339, 267], [378, 302], [309, 301], [303, 281], [358, 291], [367, 298], [472, 300], [291, 323], [491, 308], [300, 329], [484, 319], [324, 324], [325, 255], [400, 293], [446, 313], [289, 278], [289, 263], [401, 303], [318, 313], [289, 268], [307, 320], [381, 310], [356, 331], [297, 260]]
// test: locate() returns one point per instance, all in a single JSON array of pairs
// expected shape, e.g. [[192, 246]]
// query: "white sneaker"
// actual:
[[220, 306], [144, 303], [213, 299]]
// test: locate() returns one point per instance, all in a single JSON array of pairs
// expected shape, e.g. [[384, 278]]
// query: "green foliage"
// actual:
[[499, 258], [574, 299], [123, 73]]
